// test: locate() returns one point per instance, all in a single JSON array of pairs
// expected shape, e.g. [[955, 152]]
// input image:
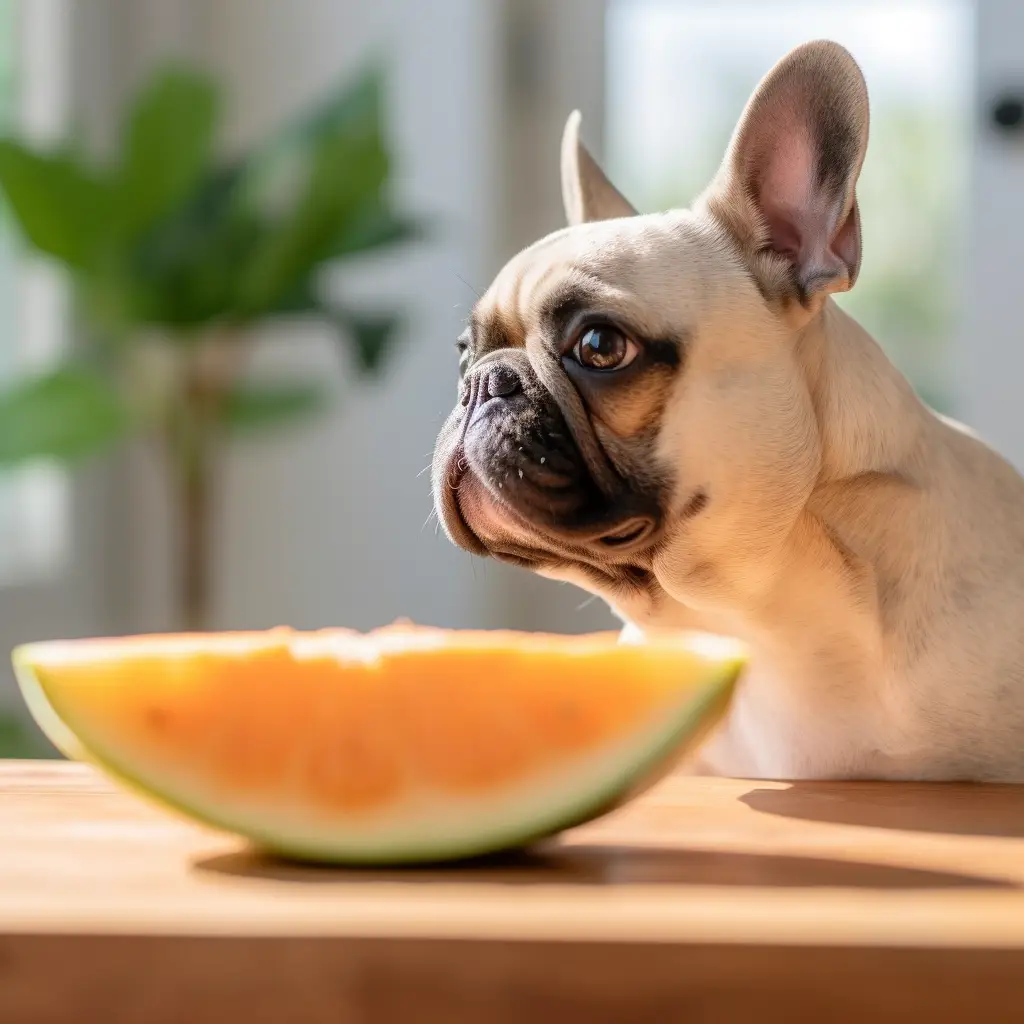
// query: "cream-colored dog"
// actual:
[[671, 411]]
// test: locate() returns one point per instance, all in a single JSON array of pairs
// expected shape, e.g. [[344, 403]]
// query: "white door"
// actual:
[[52, 558]]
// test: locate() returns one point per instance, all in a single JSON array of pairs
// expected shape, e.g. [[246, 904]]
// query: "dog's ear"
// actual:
[[586, 192], [786, 187]]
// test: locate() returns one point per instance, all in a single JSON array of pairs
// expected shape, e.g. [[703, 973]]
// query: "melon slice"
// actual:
[[403, 745]]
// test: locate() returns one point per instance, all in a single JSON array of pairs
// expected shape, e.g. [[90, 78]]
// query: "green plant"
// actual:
[[174, 253]]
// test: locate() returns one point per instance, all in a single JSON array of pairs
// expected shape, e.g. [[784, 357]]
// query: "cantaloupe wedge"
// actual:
[[405, 744]]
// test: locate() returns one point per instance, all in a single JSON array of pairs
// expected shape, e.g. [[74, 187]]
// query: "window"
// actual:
[[34, 500], [680, 73]]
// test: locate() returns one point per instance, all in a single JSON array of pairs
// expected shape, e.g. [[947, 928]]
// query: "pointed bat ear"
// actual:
[[786, 186], [586, 192]]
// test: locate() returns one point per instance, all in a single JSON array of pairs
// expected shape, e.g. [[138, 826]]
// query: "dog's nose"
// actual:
[[498, 382], [486, 382]]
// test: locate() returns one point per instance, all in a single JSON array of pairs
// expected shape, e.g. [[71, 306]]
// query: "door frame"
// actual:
[[990, 345]]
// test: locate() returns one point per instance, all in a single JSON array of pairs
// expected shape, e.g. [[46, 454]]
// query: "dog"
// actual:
[[672, 412]]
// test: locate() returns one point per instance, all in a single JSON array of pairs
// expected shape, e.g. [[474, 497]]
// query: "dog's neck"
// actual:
[[869, 418]]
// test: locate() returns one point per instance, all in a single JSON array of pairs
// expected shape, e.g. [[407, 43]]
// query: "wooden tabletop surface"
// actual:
[[706, 900]]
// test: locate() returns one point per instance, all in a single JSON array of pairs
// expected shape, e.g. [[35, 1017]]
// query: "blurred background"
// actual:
[[272, 219]]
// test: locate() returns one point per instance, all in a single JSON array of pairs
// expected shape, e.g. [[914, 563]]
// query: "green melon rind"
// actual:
[[654, 751]]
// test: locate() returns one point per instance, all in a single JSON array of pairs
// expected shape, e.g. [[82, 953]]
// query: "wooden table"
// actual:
[[707, 900]]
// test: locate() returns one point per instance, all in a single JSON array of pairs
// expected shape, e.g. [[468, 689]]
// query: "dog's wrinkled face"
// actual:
[[633, 396], [552, 454]]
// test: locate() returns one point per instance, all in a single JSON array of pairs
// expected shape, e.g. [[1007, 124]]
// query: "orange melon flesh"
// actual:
[[402, 745]]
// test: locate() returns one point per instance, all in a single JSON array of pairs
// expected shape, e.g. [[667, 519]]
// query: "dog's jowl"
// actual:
[[671, 411]]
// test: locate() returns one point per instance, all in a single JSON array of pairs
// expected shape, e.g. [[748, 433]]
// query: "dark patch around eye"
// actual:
[[665, 353], [562, 316], [565, 305], [653, 353]]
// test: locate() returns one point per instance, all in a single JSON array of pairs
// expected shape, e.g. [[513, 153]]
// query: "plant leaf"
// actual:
[[372, 335], [166, 146], [347, 164], [65, 415], [355, 109], [300, 300], [340, 176], [184, 271], [253, 405], [62, 209], [376, 228]]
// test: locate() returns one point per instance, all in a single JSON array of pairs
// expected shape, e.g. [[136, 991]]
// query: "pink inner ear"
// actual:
[[787, 163], [801, 219], [784, 185]]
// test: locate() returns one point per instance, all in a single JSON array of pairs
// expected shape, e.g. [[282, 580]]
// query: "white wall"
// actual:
[[335, 533]]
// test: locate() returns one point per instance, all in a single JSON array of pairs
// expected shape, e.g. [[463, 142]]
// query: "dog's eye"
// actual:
[[604, 348]]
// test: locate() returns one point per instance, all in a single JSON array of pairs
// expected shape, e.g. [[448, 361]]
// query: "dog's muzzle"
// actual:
[[511, 478]]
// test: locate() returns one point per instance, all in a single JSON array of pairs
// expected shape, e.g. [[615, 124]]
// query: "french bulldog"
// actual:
[[672, 412]]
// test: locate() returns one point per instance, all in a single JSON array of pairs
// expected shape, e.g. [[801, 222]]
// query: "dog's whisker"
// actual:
[[475, 291]]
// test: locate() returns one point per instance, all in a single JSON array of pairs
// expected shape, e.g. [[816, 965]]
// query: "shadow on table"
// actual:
[[952, 808], [612, 865]]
